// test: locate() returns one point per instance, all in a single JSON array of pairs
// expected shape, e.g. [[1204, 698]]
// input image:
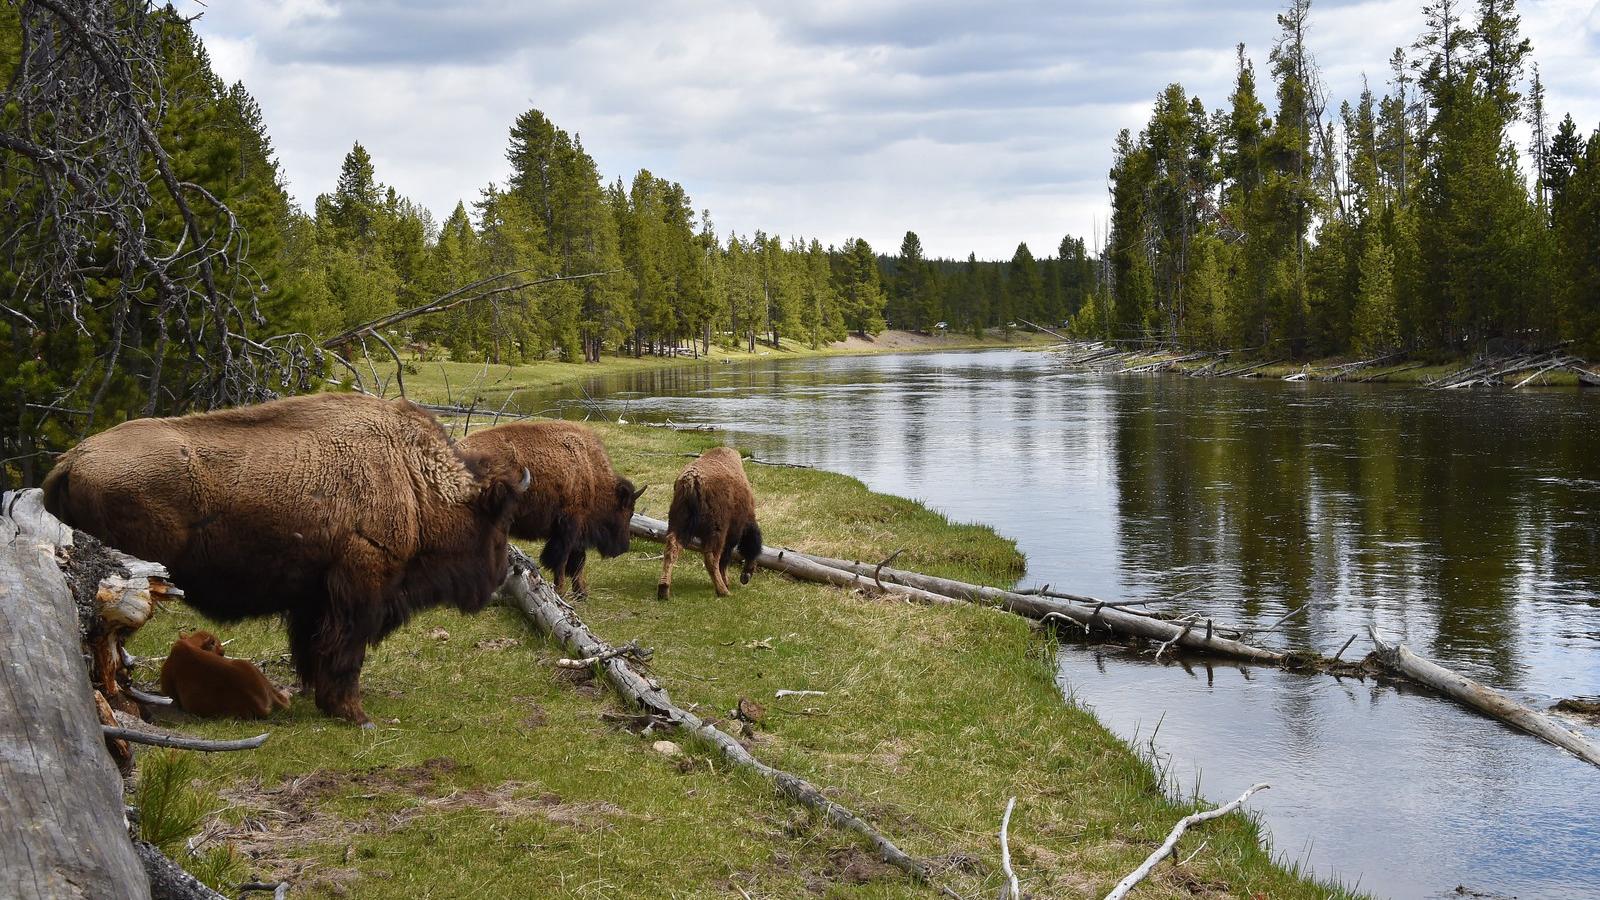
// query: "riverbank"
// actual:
[[492, 773], [1403, 370], [462, 383]]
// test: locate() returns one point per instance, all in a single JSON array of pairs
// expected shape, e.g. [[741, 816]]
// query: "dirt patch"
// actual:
[[853, 865], [278, 821]]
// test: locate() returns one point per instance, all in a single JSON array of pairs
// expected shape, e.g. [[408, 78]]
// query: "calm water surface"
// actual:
[[1465, 524]]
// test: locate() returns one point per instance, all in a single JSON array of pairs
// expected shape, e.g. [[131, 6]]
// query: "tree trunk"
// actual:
[[65, 834]]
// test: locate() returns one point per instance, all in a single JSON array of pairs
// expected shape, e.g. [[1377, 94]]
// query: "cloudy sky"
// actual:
[[976, 125]]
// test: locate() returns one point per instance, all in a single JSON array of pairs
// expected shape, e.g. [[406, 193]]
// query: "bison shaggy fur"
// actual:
[[342, 512], [577, 501], [205, 682], [713, 506]]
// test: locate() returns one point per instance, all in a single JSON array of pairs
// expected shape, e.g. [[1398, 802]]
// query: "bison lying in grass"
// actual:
[[712, 505], [577, 502], [205, 682], [342, 512]]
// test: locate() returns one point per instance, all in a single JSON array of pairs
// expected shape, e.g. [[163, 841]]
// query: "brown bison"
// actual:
[[712, 505], [205, 682], [577, 501], [345, 513]]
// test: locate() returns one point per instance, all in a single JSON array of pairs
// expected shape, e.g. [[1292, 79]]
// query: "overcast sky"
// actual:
[[976, 125]]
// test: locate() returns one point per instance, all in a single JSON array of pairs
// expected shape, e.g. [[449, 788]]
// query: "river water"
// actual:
[[1465, 524]]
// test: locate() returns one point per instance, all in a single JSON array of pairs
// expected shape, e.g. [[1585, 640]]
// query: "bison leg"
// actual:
[[668, 559], [339, 684], [303, 648], [554, 558], [714, 567], [575, 560]]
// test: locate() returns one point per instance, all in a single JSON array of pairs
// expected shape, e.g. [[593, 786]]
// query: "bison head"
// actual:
[[203, 641], [749, 548], [610, 532], [501, 488]]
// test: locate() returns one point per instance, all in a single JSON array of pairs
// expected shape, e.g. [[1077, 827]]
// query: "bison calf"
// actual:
[[712, 505], [205, 682], [577, 501], [344, 513]]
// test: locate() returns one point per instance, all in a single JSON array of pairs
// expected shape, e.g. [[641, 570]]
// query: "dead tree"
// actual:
[[129, 281]]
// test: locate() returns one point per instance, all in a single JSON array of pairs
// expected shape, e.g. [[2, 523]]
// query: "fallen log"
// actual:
[[798, 565], [1486, 700], [525, 590], [1086, 612], [60, 795], [168, 880]]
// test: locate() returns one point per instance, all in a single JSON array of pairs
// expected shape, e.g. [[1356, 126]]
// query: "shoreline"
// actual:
[[931, 719], [1419, 372], [445, 381]]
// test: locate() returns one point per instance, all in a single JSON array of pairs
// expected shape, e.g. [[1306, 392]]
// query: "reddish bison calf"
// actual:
[[205, 682], [712, 505], [344, 513], [577, 502]]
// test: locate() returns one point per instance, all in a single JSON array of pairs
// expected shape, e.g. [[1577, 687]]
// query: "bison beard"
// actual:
[[577, 503], [712, 505], [345, 513], [205, 682]]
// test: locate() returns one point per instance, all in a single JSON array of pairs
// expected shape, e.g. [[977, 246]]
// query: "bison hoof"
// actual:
[[367, 725], [663, 592], [744, 578]]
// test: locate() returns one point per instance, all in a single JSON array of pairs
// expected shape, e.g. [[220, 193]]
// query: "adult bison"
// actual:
[[577, 502], [712, 505], [344, 513]]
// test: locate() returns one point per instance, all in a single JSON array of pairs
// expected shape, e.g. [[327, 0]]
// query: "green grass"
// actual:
[[492, 774], [462, 382]]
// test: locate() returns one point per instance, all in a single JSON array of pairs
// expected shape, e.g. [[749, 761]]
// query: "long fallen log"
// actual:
[[64, 832], [1483, 698], [1087, 613], [525, 590]]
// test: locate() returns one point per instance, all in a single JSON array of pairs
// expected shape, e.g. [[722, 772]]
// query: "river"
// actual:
[[1466, 524]]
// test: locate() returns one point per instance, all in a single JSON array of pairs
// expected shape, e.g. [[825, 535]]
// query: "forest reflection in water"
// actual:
[[1466, 524]]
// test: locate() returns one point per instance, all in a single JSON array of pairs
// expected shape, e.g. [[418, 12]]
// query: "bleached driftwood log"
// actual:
[[1086, 611], [115, 593], [1484, 699], [1171, 843], [63, 831], [525, 590]]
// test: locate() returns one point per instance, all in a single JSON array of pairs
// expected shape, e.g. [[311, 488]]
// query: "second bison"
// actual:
[[577, 502], [713, 506]]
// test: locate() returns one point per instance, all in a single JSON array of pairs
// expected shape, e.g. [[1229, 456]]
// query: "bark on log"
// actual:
[[1484, 699], [1086, 611], [64, 832], [525, 590], [168, 880]]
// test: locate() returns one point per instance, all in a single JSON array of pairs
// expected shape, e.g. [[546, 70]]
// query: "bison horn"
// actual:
[[638, 492], [527, 479]]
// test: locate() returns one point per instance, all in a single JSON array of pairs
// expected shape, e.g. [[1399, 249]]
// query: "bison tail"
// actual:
[[56, 487]]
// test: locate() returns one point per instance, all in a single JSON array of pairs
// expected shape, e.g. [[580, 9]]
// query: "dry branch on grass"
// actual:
[[1170, 845], [527, 591]]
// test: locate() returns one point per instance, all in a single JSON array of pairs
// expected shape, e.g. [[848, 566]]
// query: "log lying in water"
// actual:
[[64, 833], [1086, 612], [1484, 699], [525, 590]]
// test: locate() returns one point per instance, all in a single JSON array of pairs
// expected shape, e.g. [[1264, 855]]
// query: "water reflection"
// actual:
[[1464, 524]]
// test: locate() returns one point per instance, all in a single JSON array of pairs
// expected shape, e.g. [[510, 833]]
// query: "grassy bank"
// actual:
[[461, 382], [493, 774]]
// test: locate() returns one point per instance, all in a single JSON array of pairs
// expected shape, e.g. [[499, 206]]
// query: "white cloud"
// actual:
[[977, 126]]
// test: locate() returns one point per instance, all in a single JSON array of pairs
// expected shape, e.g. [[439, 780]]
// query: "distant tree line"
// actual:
[[1404, 221]]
